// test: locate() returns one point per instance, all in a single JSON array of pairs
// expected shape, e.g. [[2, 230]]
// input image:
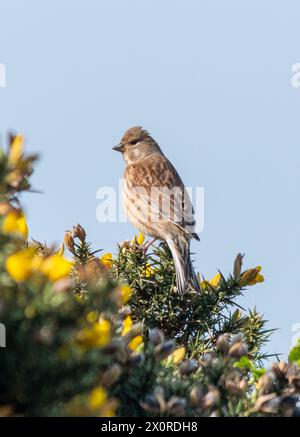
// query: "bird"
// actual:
[[157, 202]]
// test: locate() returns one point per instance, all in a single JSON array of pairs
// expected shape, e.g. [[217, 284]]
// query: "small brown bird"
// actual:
[[157, 202]]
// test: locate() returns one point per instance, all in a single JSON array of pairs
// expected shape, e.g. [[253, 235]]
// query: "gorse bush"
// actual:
[[97, 335]]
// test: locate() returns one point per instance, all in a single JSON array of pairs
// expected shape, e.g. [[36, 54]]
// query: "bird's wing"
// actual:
[[159, 192]]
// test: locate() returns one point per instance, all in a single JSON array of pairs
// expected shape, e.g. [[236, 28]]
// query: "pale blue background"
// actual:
[[211, 80]]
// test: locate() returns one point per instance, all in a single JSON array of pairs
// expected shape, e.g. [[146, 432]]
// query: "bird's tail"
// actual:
[[185, 273]]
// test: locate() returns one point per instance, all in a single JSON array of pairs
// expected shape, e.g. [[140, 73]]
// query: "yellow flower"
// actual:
[[251, 276], [24, 263], [148, 270], [135, 342], [15, 222], [138, 239], [127, 324], [107, 260], [56, 267], [178, 355], [214, 282], [16, 149], [36, 262], [98, 335], [97, 398], [125, 293], [19, 264]]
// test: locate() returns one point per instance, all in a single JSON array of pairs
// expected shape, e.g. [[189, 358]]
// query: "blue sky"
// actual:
[[210, 80]]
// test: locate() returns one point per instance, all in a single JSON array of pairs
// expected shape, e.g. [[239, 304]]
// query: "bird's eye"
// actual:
[[133, 142]]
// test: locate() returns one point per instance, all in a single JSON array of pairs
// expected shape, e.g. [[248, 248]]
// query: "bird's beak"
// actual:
[[118, 148]]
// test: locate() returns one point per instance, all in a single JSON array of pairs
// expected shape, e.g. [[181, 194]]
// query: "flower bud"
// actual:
[[237, 267], [176, 406], [265, 382], [163, 350], [156, 336], [124, 246], [160, 397], [237, 338], [79, 232], [196, 395], [69, 241], [208, 359], [150, 404], [134, 359], [243, 385], [238, 350], [267, 404], [223, 344], [187, 367], [234, 383], [123, 354], [280, 369], [111, 375], [211, 398]]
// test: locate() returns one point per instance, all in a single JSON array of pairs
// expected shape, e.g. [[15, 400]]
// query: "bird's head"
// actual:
[[136, 144]]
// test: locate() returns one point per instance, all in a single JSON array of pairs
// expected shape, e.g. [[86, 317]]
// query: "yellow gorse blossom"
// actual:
[[15, 223], [23, 264], [178, 355], [19, 264], [97, 335], [214, 282], [16, 149], [97, 398], [135, 342], [125, 293], [138, 239], [56, 267], [251, 276], [127, 325], [148, 271], [107, 260]]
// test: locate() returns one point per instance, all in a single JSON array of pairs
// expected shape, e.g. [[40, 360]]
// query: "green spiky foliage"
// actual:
[[194, 320], [78, 344]]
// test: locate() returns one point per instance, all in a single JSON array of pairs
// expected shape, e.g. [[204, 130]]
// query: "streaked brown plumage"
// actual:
[[157, 202]]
